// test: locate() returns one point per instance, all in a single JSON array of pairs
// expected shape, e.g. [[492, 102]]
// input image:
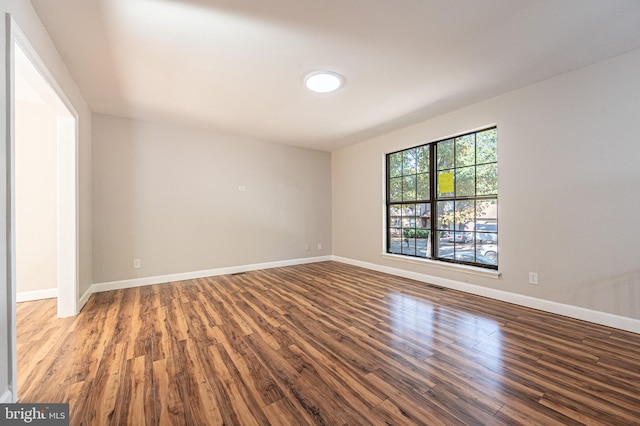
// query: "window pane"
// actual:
[[395, 240], [423, 216], [395, 189], [487, 254], [422, 241], [408, 210], [408, 222], [409, 229], [409, 246], [464, 215], [486, 228], [465, 181], [487, 146], [465, 150], [410, 162], [445, 215], [444, 152], [395, 164], [423, 159], [395, 213], [465, 256], [482, 237], [487, 212], [423, 187], [487, 179], [395, 229], [409, 188], [444, 246]]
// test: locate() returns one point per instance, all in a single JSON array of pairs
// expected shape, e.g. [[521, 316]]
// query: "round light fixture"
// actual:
[[323, 81]]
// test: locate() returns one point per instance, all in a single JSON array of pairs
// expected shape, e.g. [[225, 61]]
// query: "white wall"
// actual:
[[169, 196], [36, 197], [569, 172], [28, 21]]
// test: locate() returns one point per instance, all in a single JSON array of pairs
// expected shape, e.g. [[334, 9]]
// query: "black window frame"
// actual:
[[421, 214]]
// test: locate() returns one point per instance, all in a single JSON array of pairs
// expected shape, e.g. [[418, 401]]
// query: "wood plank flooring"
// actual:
[[325, 344]]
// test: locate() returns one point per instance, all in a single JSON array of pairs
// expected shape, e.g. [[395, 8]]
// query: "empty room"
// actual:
[[412, 212]]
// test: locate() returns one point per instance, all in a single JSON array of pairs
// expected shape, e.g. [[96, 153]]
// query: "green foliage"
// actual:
[[395, 189], [444, 152], [487, 179], [465, 182], [423, 187], [415, 233], [465, 150], [395, 164], [409, 188], [422, 154], [487, 146]]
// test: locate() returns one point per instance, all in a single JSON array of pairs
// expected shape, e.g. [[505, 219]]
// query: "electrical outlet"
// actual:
[[307, 247], [136, 263], [319, 246], [533, 278]]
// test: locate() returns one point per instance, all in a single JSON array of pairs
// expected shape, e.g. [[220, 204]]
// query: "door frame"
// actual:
[[67, 198], [67, 185]]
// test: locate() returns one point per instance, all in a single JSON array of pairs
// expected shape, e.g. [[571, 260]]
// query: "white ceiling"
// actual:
[[238, 66]]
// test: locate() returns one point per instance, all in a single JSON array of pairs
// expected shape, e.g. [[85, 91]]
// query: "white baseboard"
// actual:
[[85, 298], [597, 317], [27, 296], [139, 282]]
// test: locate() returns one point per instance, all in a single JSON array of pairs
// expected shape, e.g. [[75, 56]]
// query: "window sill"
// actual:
[[489, 273]]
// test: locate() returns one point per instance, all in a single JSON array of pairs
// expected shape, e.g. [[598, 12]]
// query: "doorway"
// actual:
[[28, 68]]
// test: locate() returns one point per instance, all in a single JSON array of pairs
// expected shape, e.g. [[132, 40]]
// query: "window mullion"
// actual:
[[432, 197]]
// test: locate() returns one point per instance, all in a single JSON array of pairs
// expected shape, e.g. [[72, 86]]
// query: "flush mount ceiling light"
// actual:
[[323, 81]]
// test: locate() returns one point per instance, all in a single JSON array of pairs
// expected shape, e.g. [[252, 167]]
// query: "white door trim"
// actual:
[[67, 184]]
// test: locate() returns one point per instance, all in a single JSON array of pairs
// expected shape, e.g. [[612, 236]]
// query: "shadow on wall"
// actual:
[[619, 295]]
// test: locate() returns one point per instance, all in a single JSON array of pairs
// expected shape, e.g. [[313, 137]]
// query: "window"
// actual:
[[442, 200]]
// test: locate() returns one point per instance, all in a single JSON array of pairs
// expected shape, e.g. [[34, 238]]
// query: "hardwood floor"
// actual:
[[327, 344]]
